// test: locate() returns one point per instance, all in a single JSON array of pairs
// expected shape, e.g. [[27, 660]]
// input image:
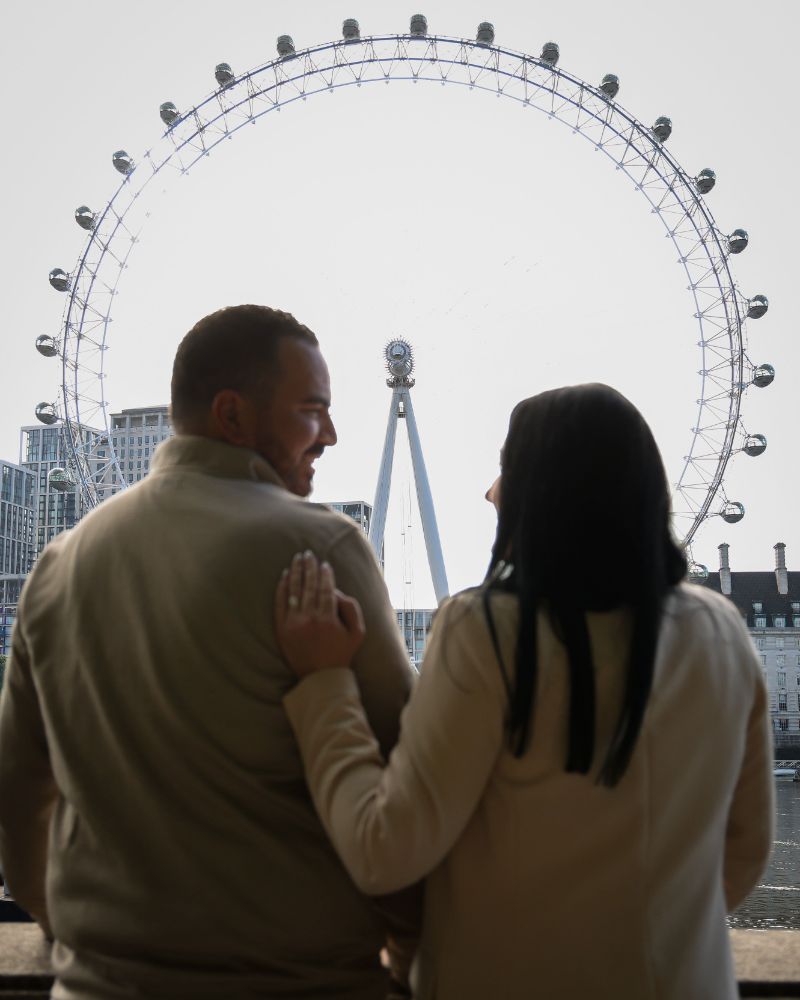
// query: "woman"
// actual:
[[584, 767]]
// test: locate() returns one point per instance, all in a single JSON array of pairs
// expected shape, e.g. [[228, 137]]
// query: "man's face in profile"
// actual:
[[293, 426]]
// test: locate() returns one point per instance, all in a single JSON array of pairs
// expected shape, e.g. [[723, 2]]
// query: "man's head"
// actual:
[[254, 377]]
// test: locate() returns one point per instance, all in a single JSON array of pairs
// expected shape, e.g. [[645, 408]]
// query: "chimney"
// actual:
[[724, 570], [781, 576]]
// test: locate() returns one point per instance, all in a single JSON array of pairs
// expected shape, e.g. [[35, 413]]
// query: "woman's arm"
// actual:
[[749, 832], [393, 824]]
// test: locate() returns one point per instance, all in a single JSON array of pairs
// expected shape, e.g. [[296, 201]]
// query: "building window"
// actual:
[[761, 621], [783, 724], [796, 621], [780, 660], [779, 621], [757, 606], [760, 642], [796, 607], [779, 643], [763, 660], [782, 702], [782, 678]]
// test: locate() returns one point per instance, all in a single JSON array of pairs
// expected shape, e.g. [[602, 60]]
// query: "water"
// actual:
[[775, 902]]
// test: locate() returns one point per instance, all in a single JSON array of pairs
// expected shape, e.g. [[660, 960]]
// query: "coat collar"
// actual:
[[214, 458]]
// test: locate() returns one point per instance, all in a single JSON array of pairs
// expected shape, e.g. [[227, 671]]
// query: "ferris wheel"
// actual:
[[717, 311]]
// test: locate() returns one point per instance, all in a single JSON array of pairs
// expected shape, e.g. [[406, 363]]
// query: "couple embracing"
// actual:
[[206, 785]]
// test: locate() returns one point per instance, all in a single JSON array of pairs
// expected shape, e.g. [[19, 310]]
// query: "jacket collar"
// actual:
[[214, 458]]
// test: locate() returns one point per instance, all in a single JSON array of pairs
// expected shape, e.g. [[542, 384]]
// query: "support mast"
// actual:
[[400, 365]]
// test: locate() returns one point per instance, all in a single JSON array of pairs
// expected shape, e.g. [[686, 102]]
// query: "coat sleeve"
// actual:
[[28, 791], [381, 666], [392, 824], [750, 827]]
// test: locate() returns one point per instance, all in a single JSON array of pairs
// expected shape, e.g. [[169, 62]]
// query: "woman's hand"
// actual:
[[318, 627]]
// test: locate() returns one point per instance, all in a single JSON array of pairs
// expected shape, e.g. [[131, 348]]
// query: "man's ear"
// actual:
[[232, 418]]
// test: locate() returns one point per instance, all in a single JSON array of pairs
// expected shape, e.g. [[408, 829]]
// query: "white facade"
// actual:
[[769, 603]]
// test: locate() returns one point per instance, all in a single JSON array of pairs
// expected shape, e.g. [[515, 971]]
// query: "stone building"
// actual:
[[769, 603]]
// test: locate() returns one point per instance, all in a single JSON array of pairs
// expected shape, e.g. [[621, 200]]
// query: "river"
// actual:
[[775, 902]]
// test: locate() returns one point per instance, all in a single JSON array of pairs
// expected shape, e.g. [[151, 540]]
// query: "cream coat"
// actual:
[[143, 702], [542, 883]]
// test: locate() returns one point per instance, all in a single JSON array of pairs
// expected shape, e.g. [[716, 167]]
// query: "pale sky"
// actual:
[[511, 256]]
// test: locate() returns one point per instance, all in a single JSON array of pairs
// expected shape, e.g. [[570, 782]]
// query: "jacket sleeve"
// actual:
[[393, 824], [381, 666], [750, 827], [28, 790]]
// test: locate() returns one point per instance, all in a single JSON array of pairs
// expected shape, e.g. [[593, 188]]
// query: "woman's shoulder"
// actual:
[[688, 599], [692, 608], [471, 606]]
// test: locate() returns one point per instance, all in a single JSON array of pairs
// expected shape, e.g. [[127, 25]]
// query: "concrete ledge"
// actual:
[[767, 963]]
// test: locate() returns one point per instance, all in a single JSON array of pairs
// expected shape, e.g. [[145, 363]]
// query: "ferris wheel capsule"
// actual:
[[47, 346], [169, 113], [485, 34], [351, 32], [285, 46], [85, 217], [662, 128], [705, 180], [550, 53], [60, 480], [738, 240], [46, 413], [732, 512], [763, 376], [123, 162], [609, 85], [755, 445], [224, 75], [59, 279], [698, 572], [418, 26], [757, 306]]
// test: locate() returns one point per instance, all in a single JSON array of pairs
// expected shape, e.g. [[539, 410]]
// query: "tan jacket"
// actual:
[[542, 883], [145, 694]]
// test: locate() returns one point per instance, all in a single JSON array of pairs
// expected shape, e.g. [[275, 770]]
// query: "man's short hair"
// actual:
[[233, 348]]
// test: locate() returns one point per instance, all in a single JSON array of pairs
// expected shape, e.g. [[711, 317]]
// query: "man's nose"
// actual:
[[327, 432]]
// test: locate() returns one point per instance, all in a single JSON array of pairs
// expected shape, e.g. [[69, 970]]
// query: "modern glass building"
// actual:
[[17, 538], [415, 624], [43, 450], [17, 542]]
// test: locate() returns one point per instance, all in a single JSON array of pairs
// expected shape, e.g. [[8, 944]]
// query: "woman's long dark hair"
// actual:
[[584, 520]]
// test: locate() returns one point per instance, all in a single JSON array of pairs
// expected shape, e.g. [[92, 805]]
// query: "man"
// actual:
[[145, 759]]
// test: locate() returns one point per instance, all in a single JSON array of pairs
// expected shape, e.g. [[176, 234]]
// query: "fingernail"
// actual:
[[284, 574], [297, 556], [308, 554], [325, 565]]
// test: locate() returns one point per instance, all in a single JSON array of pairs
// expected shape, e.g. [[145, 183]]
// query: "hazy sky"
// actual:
[[511, 256]]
